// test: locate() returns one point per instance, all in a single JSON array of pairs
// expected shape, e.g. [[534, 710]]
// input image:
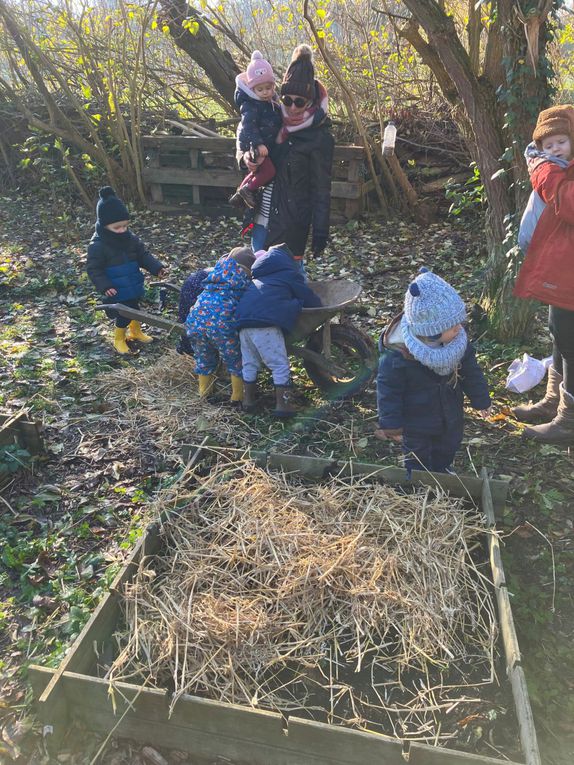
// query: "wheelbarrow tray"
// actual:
[[209, 729]]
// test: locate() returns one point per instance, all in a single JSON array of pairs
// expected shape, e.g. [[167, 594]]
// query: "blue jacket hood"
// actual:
[[277, 293]]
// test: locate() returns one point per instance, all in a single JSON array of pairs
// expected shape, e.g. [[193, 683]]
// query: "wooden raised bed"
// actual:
[[17, 429], [185, 173], [209, 729]]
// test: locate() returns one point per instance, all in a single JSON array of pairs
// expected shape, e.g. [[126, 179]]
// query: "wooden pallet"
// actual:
[[209, 729], [20, 430], [185, 173]]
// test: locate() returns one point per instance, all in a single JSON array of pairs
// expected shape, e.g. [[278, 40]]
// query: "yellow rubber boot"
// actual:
[[236, 389], [205, 384], [135, 332], [120, 341]]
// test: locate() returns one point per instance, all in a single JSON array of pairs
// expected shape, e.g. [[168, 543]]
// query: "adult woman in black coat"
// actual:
[[299, 198]]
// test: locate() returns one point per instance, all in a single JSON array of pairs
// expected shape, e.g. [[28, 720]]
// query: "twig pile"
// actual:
[[326, 597]]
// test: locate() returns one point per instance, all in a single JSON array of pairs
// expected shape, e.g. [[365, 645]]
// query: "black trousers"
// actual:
[[561, 325], [111, 313]]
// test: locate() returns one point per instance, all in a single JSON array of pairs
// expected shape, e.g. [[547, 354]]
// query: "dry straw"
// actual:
[[359, 604]]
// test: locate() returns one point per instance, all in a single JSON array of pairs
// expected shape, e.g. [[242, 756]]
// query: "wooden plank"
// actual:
[[187, 142], [528, 738], [212, 729], [178, 176], [189, 177], [458, 486], [423, 754], [341, 152], [194, 162], [493, 542], [507, 629]]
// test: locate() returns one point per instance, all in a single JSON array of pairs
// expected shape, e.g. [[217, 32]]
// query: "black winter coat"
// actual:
[[301, 195], [260, 121], [119, 266]]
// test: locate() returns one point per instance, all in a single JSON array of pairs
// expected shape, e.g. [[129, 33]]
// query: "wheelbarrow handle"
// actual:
[[136, 315], [167, 285]]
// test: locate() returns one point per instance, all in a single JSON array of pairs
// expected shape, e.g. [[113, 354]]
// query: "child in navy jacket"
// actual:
[[269, 308], [261, 119], [115, 257], [426, 368]]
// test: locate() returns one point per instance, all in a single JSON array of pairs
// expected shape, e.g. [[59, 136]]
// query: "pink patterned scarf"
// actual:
[[313, 115]]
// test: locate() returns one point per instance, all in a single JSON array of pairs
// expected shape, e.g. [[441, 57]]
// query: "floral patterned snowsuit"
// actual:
[[211, 325]]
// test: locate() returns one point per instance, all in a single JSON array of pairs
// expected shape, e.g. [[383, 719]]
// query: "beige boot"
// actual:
[[249, 396], [120, 341], [283, 405], [135, 332], [545, 409], [561, 429]]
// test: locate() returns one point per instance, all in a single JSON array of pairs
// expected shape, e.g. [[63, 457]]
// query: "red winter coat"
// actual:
[[547, 273]]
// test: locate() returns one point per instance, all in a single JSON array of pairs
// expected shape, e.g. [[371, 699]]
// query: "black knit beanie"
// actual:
[[299, 79], [110, 209]]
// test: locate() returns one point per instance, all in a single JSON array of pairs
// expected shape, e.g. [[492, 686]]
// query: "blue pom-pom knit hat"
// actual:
[[431, 307]]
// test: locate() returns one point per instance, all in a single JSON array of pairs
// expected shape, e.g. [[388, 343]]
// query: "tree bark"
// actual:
[[202, 47]]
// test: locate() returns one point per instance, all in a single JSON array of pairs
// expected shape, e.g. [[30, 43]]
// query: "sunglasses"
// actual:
[[298, 101]]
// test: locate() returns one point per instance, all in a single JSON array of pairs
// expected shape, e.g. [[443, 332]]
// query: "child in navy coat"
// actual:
[[426, 368], [115, 257], [268, 309], [261, 119]]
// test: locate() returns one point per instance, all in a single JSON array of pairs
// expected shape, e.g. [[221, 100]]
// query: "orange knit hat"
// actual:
[[557, 119]]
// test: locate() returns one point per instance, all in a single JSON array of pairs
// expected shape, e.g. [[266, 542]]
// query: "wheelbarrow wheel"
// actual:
[[352, 351]]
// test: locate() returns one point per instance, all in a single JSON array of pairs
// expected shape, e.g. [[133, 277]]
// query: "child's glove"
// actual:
[[318, 245], [389, 434], [162, 273], [111, 292]]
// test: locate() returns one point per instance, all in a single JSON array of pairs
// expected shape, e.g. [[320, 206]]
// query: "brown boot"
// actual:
[[248, 196], [561, 429], [283, 405], [249, 396], [236, 200], [545, 409]]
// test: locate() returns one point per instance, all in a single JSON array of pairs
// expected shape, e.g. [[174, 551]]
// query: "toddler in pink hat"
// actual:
[[258, 104]]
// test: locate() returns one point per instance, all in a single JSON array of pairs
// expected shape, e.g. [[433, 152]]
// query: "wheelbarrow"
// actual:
[[338, 357]]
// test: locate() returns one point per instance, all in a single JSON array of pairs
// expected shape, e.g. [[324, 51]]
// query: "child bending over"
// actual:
[[211, 325], [426, 368], [268, 309]]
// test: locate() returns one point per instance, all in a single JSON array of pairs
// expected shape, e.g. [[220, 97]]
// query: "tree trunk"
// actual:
[[500, 108], [202, 47]]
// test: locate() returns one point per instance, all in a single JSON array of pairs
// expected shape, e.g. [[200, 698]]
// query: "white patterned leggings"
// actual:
[[264, 345]]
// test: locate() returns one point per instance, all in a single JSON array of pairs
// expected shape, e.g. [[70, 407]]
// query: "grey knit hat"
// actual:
[[432, 305]]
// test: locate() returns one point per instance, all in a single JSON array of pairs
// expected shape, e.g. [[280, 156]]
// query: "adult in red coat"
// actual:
[[547, 274]]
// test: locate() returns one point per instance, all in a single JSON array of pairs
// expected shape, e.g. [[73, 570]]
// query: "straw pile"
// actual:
[[162, 399], [330, 597]]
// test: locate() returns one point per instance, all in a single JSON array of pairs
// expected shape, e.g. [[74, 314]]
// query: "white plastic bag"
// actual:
[[526, 373]]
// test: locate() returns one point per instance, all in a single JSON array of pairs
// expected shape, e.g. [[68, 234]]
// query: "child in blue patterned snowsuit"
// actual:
[[211, 325], [427, 367]]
